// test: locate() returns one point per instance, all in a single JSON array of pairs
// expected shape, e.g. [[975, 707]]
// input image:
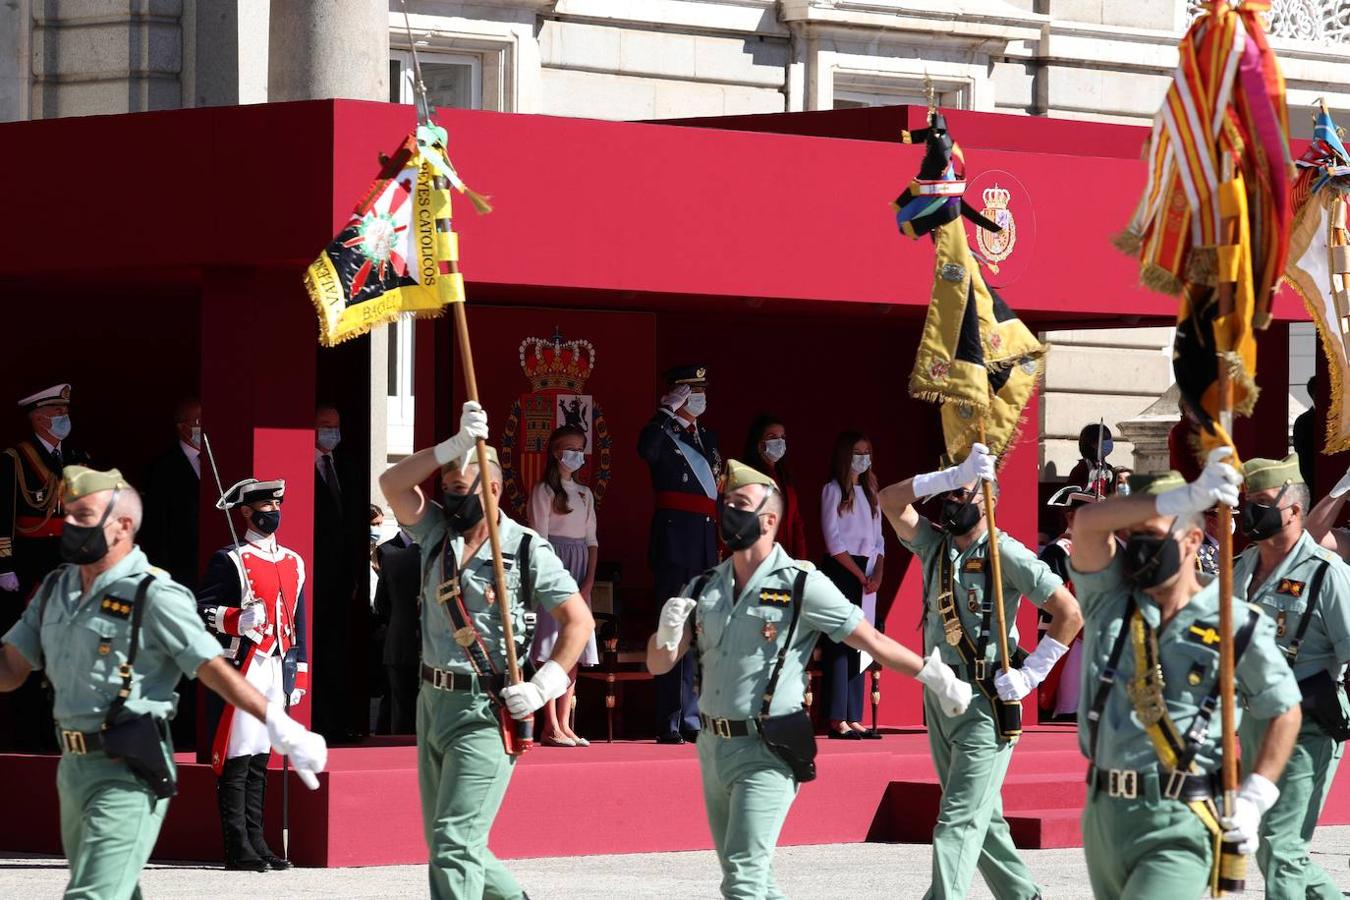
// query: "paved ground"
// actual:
[[834, 872]]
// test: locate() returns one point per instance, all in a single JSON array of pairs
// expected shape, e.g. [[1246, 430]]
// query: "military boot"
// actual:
[[255, 796], [230, 788]]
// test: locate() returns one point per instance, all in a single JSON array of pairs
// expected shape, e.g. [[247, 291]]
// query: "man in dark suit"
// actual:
[[169, 533], [397, 607], [685, 464], [31, 520], [172, 486], [340, 553]]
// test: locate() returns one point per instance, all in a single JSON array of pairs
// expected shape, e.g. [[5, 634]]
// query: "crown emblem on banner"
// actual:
[[996, 197], [556, 364]]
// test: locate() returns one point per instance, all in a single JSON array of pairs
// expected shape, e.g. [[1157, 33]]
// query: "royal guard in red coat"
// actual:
[[253, 596]]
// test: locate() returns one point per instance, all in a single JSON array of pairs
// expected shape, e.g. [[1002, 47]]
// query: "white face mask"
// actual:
[[572, 460], [861, 463], [775, 449], [696, 405], [196, 438], [374, 534]]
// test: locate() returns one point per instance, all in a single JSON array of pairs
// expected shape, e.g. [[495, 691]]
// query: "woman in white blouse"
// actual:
[[563, 512], [850, 518]]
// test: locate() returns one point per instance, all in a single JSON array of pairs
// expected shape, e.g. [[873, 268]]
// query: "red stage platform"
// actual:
[[612, 798]]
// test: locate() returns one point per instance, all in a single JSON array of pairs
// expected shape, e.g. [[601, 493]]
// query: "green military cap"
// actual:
[[739, 475], [81, 481], [1263, 474], [1155, 484], [471, 459]]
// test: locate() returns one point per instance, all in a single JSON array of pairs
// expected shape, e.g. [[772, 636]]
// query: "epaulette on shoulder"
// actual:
[[1329, 555], [804, 564], [157, 572]]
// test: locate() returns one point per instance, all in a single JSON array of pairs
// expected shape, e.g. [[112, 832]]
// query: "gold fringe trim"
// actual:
[[1156, 278], [1129, 242], [1243, 384], [1334, 443], [1202, 266], [327, 340]]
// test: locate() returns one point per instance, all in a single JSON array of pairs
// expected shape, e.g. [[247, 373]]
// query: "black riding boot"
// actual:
[[230, 787], [255, 794]]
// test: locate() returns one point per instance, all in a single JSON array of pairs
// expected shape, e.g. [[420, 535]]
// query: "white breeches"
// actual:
[[248, 736]]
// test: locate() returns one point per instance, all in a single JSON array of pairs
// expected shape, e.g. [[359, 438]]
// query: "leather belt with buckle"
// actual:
[[726, 728], [78, 743], [1172, 784], [442, 680]]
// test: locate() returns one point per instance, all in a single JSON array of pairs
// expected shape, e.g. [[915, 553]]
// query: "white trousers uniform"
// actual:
[[248, 736]]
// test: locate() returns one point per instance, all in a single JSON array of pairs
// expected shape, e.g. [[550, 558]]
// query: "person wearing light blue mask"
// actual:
[[338, 713]]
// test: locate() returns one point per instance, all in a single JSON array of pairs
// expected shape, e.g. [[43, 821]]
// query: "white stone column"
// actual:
[[324, 49], [1148, 432]]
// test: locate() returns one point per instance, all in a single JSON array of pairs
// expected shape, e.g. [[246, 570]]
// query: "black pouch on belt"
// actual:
[[794, 740], [1322, 704], [137, 740], [789, 735]]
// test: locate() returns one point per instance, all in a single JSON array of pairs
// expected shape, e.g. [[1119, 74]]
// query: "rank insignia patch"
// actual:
[[1195, 675], [119, 609], [973, 565], [1204, 634], [774, 598], [1291, 587]]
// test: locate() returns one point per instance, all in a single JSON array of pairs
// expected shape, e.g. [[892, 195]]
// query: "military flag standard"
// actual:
[[1319, 261], [386, 261], [1212, 227], [976, 358]]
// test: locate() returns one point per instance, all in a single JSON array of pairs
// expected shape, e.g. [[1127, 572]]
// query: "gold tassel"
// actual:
[[906, 137], [479, 201], [1202, 266], [1156, 278]]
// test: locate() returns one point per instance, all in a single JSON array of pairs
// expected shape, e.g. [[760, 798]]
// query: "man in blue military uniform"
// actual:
[[31, 520], [685, 464]]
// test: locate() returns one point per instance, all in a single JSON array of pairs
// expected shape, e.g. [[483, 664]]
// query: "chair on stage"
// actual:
[[617, 666]]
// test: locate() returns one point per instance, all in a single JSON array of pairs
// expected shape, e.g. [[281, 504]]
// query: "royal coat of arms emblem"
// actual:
[[997, 246], [557, 370]]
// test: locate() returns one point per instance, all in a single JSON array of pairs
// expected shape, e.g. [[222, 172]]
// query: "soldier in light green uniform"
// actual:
[[1284, 572], [462, 765], [742, 625], [77, 629], [970, 755], [1149, 721]]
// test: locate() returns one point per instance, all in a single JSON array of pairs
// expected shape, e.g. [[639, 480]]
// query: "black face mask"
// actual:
[[1260, 520], [85, 545], [463, 511], [265, 521], [740, 527], [1149, 561], [959, 517]]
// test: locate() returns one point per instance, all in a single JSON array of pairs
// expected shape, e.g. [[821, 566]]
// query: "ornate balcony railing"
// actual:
[[1319, 21]]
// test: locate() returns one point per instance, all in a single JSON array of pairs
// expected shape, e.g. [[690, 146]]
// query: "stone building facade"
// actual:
[[1101, 60]]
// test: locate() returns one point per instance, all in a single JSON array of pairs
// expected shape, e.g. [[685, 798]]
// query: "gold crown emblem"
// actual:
[[996, 197], [552, 363]]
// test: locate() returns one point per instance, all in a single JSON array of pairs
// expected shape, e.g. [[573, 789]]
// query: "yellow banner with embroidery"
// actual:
[[975, 357], [397, 254]]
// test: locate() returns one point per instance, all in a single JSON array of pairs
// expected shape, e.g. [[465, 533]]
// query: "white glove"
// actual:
[[675, 397], [296, 696], [308, 751], [1015, 684], [473, 427], [549, 683], [251, 617], [953, 694], [1338, 491], [978, 465], [1218, 483], [1243, 827], [9, 582], [670, 626]]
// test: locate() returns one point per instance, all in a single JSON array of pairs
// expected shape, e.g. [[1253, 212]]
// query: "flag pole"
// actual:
[[1013, 728], [449, 296]]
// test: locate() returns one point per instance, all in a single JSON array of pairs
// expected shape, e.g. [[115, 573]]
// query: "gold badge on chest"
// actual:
[[973, 600], [770, 631], [1280, 626], [465, 636], [951, 628]]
